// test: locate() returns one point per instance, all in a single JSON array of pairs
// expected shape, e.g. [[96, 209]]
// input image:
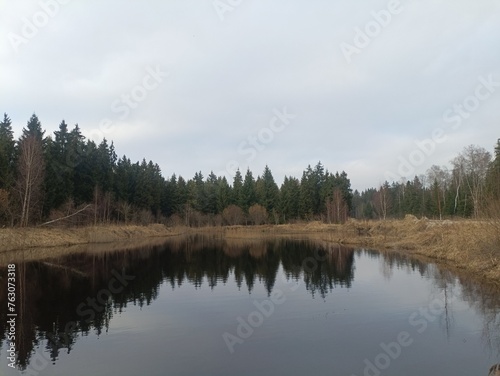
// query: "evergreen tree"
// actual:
[[493, 176], [249, 196], [237, 191], [183, 194], [267, 191], [170, 197], [290, 199], [7, 153], [59, 174], [34, 128], [317, 185], [123, 180], [82, 157], [105, 161], [307, 194], [224, 194], [30, 169], [209, 203]]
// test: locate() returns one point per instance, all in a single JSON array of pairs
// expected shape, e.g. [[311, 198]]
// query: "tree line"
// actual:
[[470, 187], [65, 178]]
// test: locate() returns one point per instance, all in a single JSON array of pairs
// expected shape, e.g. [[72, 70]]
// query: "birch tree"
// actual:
[[30, 176]]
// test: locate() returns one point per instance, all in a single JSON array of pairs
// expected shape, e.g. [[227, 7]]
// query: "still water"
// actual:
[[207, 306]]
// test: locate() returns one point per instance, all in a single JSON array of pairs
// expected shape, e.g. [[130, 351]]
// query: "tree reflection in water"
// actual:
[[51, 291]]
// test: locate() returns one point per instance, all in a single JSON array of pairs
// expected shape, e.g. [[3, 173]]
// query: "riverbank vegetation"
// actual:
[[65, 179], [468, 245]]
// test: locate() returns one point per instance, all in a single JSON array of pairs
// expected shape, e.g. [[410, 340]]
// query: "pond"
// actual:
[[210, 306]]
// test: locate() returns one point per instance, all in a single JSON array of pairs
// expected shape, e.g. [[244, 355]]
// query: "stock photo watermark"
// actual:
[[454, 117], [254, 320], [87, 311], [372, 29], [11, 314], [31, 26], [127, 102], [224, 6], [256, 143], [419, 322], [266, 308]]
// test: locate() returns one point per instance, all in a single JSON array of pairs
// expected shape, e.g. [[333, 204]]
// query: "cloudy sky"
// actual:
[[376, 88]]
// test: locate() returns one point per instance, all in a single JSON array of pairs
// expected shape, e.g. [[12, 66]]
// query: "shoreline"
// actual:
[[467, 245], [15, 239]]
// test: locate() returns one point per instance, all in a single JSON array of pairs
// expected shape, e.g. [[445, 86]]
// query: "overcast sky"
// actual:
[[208, 85]]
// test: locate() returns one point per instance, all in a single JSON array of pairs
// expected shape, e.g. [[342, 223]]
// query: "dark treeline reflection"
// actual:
[[53, 294]]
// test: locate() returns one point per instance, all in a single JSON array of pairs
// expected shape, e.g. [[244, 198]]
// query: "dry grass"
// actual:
[[472, 246], [25, 238], [469, 245]]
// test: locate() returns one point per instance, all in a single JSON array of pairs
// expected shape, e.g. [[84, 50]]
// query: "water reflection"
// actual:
[[66, 298]]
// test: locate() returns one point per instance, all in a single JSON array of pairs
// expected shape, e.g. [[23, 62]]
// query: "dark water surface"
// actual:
[[200, 306]]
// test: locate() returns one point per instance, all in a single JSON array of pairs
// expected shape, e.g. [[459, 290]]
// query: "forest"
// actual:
[[66, 179]]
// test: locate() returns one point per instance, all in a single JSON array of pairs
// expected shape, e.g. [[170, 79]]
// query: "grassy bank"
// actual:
[[25, 238], [473, 246]]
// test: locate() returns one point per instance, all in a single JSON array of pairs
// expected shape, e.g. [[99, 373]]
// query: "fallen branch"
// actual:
[[66, 217], [74, 271]]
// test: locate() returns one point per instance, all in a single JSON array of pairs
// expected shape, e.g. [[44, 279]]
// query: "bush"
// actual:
[[233, 215], [257, 214]]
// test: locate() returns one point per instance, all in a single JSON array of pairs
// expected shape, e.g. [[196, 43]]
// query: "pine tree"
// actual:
[[493, 176], [237, 191], [82, 158], [317, 183], [170, 197], [7, 153], [31, 171], [122, 180], [290, 199], [59, 173], [223, 194], [307, 194], [33, 128], [249, 196], [209, 204], [267, 191], [183, 194]]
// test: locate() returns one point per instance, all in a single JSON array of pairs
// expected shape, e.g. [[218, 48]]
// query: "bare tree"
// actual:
[[257, 214], [336, 208], [472, 165], [125, 209], [233, 215], [439, 179], [381, 201], [30, 175]]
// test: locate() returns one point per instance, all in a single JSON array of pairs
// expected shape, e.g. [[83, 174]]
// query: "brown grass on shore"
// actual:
[[469, 245], [466, 244], [24, 238]]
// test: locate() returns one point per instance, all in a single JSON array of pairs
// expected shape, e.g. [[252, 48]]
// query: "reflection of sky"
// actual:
[[180, 333]]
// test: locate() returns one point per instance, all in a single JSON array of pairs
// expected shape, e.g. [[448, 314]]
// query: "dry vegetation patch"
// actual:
[[465, 244]]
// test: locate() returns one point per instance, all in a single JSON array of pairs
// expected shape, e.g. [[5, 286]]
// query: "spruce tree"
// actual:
[[268, 191], [248, 191], [307, 194], [237, 191], [290, 199], [7, 153]]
